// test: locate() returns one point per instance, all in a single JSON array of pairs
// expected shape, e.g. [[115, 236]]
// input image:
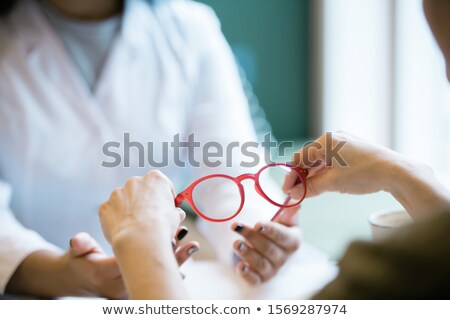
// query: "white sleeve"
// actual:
[[16, 242], [221, 114]]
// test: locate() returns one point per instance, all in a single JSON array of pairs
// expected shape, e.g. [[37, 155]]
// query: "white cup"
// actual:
[[385, 223]]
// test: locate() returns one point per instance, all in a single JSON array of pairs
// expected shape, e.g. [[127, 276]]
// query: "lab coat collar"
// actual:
[[27, 24], [31, 26], [137, 20]]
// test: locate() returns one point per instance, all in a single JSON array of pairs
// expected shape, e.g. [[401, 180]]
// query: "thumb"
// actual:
[[289, 216], [317, 185], [82, 244]]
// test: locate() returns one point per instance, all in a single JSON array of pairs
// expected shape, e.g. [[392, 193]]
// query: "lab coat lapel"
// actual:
[[45, 55]]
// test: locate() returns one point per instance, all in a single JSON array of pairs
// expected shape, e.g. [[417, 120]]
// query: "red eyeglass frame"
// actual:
[[186, 195]]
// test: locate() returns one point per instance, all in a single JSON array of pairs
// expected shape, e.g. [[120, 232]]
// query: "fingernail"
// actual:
[[192, 250], [262, 229], [173, 243], [239, 227], [181, 212], [242, 246], [244, 268], [70, 243], [183, 232]]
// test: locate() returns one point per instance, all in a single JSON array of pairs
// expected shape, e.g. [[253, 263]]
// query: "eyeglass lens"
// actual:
[[208, 196]]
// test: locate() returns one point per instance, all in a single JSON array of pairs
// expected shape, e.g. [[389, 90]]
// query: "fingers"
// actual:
[[100, 272], [289, 182], [82, 244], [114, 289], [107, 267], [95, 270], [261, 255], [266, 249], [316, 184], [243, 269], [319, 184], [181, 233], [311, 156], [256, 261], [181, 214], [187, 251], [107, 277], [297, 191], [287, 238], [158, 175]]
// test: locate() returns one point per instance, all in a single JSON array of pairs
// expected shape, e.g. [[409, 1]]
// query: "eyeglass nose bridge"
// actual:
[[246, 176], [253, 177]]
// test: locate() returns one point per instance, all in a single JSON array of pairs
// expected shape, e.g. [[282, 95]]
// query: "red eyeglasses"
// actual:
[[206, 192]]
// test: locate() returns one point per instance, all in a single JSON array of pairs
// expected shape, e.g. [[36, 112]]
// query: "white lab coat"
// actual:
[[170, 71]]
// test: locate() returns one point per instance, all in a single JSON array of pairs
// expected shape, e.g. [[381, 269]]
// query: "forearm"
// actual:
[[416, 187], [44, 274], [148, 265]]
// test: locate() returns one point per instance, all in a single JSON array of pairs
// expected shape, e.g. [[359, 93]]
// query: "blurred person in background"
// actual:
[[77, 74]]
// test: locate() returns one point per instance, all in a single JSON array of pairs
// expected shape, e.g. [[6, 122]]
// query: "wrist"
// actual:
[[397, 174], [135, 228], [416, 187], [43, 273], [141, 234], [148, 264], [67, 277]]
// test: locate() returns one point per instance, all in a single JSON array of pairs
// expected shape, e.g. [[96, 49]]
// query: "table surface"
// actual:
[[306, 273]]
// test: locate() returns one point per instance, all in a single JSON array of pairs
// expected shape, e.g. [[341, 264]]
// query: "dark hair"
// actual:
[[6, 6]]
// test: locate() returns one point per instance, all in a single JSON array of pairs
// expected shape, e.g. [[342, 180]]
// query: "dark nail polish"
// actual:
[[173, 243], [183, 232], [262, 229], [70, 243], [192, 250], [239, 227]]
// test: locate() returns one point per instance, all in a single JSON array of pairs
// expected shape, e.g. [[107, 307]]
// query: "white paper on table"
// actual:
[[305, 274]]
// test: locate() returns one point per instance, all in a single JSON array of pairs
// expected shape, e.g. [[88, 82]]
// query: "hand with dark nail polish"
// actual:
[[182, 233], [266, 246], [192, 250], [239, 227], [184, 252]]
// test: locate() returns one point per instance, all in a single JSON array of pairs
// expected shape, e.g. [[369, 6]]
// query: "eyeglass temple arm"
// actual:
[[288, 198], [280, 210]]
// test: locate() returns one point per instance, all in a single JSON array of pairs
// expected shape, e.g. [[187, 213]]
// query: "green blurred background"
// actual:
[[270, 40]]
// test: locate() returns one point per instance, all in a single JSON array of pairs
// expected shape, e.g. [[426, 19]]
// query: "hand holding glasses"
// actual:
[[269, 182]]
